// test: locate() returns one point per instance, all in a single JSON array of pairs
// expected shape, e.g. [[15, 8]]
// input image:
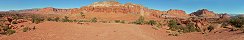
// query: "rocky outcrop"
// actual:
[[175, 13], [203, 13], [113, 7], [47, 10]]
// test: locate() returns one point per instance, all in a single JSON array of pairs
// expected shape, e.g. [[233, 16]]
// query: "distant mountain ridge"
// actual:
[[116, 7]]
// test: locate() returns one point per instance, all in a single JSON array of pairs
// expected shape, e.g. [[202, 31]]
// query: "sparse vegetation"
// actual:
[[14, 22], [159, 25], [151, 22], [49, 19], [10, 31], [36, 19], [190, 28], [140, 21], [173, 25], [5, 28], [94, 20], [66, 19], [238, 22], [56, 19], [25, 29], [116, 21], [119, 21]]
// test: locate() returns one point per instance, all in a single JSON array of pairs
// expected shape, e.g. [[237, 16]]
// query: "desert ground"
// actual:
[[112, 20], [110, 31]]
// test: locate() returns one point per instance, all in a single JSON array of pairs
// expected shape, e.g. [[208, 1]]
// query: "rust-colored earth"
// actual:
[[110, 31]]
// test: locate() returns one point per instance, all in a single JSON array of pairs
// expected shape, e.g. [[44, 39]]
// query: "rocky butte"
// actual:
[[116, 7], [204, 13]]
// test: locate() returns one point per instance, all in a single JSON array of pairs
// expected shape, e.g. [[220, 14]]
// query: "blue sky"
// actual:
[[218, 6]]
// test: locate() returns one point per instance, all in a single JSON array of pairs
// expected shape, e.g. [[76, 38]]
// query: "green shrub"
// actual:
[[123, 21], [56, 19], [117, 21], [9, 32], [94, 20], [37, 19], [5, 28], [237, 21], [151, 22], [159, 25], [26, 29], [173, 25], [210, 28], [75, 20], [14, 22], [140, 20], [50, 19], [66, 19]]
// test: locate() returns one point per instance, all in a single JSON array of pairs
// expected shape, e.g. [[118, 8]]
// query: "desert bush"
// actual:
[[75, 20], [173, 25], [151, 22], [14, 22], [190, 28], [37, 19], [210, 28], [122, 21], [50, 19], [174, 33], [237, 21], [56, 19], [94, 20], [66, 19], [117, 21], [9, 32], [5, 28], [139, 21], [25, 29], [159, 25]]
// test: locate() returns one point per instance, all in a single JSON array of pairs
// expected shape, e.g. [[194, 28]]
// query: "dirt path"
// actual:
[[109, 31]]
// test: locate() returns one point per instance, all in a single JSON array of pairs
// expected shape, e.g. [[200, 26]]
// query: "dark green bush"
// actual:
[[151, 22], [14, 22], [37, 19], [190, 28], [140, 20], [173, 25], [9, 32], [159, 25], [5, 28], [94, 20], [122, 21], [66, 19], [210, 28], [117, 21], [237, 21], [26, 29], [56, 19], [50, 19]]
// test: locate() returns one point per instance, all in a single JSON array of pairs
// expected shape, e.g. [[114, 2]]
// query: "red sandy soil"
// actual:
[[110, 31]]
